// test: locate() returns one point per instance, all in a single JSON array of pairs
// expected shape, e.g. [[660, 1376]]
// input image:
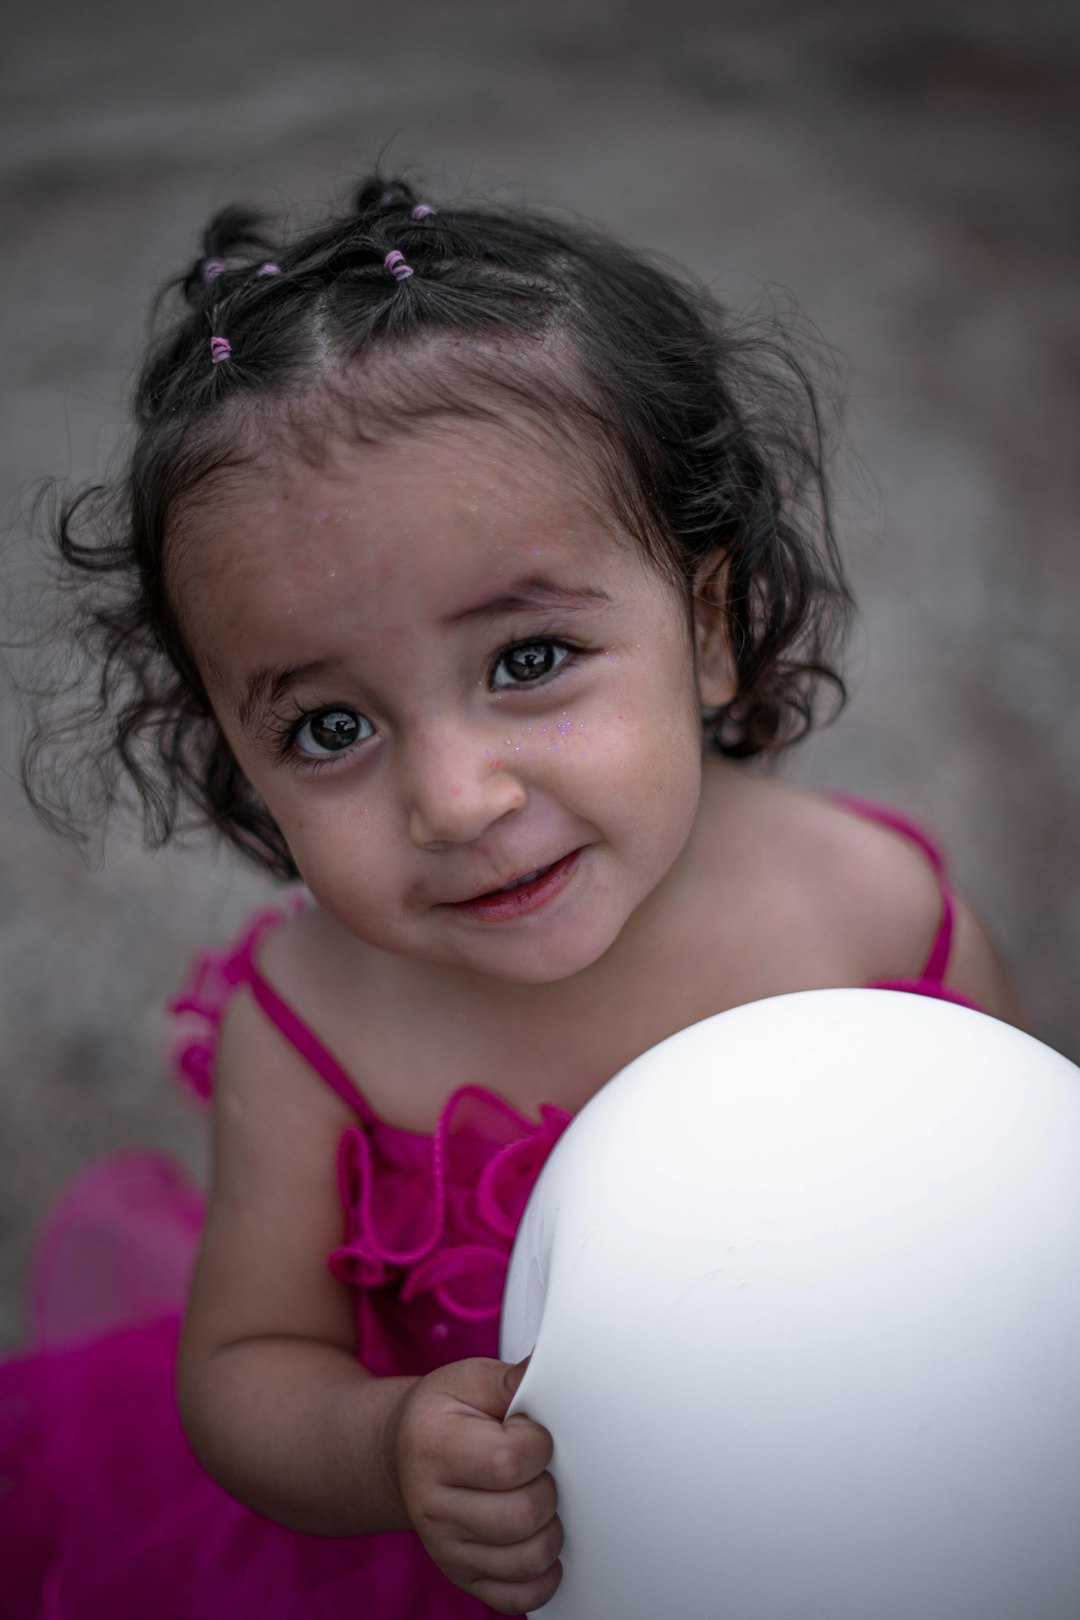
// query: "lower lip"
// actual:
[[528, 897]]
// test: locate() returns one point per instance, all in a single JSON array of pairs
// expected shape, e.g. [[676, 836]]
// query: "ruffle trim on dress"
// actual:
[[215, 978], [458, 1224], [423, 1213]]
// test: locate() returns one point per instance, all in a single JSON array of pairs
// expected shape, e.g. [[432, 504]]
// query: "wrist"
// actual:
[[390, 1396]]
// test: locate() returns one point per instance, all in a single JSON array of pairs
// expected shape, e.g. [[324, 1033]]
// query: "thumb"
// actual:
[[515, 1372], [482, 1382]]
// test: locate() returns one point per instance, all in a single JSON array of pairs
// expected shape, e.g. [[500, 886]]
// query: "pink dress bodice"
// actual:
[[429, 1219]]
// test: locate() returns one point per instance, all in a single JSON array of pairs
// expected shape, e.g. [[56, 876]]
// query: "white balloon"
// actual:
[[802, 1290]]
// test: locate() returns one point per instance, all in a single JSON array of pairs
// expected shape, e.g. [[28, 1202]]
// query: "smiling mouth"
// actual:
[[525, 894]]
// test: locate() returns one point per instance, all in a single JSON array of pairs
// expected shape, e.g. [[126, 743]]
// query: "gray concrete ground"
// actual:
[[907, 171]]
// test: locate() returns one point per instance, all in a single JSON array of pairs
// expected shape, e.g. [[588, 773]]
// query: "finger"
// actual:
[[517, 1597], [482, 1383], [523, 1561], [483, 1455], [512, 1379], [501, 1518]]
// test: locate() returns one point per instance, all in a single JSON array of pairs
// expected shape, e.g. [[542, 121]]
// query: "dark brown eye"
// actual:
[[331, 731], [528, 661]]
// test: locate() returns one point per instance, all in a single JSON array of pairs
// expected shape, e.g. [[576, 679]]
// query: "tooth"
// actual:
[[518, 882]]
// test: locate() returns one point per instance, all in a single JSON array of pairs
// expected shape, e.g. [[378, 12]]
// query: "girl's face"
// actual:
[[444, 668]]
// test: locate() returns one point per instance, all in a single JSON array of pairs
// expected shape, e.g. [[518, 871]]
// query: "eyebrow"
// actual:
[[537, 591], [263, 689]]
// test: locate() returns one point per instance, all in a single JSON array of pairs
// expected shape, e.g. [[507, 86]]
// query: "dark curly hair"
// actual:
[[706, 432]]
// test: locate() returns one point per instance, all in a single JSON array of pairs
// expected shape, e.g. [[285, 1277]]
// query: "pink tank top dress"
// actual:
[[105, 1514]]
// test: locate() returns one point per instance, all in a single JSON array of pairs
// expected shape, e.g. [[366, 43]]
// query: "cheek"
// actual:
[[337, 850], [644, 768], [353, 884]]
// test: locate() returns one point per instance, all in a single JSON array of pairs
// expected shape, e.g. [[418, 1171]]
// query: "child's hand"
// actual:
[[476, 1488]]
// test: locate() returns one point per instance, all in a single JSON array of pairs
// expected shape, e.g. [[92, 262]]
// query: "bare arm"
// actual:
[[273, 1400], [276, 1405], [298, 1431]]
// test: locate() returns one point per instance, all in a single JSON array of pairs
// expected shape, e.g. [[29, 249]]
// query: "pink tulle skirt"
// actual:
[[105, 1513]]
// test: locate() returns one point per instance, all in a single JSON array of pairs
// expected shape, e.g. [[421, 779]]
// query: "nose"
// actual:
[[458, 788]]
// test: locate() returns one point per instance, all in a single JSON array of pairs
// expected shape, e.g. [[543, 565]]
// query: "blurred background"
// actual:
[[906, 173]]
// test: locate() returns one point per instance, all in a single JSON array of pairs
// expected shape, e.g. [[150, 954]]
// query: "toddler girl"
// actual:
[[462, 557]]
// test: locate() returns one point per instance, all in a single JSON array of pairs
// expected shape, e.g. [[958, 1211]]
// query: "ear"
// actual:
[[716, 678]]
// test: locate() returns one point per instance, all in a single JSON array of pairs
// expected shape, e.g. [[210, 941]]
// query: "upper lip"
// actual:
[[502, 883]]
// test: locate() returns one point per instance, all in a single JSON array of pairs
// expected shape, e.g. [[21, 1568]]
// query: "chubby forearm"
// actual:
[[297, 1430]]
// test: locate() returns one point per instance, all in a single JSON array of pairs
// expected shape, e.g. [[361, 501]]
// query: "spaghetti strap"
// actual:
[[306, 1042], [938, 960], [215, 979]]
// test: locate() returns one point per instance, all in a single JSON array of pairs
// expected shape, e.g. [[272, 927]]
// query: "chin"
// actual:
[[526, 962]]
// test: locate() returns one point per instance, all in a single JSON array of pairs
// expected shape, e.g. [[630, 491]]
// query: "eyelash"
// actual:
[[286, 728]]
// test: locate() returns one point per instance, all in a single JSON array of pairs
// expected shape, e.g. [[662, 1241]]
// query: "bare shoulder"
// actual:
[[274, 1211], [321, 971], [893, 908], [976, 968], [874, 895], [873, 890]]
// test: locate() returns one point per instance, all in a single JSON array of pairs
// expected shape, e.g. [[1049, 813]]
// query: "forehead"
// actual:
[[409, 525]]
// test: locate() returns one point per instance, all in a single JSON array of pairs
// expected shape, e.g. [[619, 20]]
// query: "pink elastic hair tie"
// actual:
[[422, 211], [212, 268], [395, 263], [268, 269], [220, 349]]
